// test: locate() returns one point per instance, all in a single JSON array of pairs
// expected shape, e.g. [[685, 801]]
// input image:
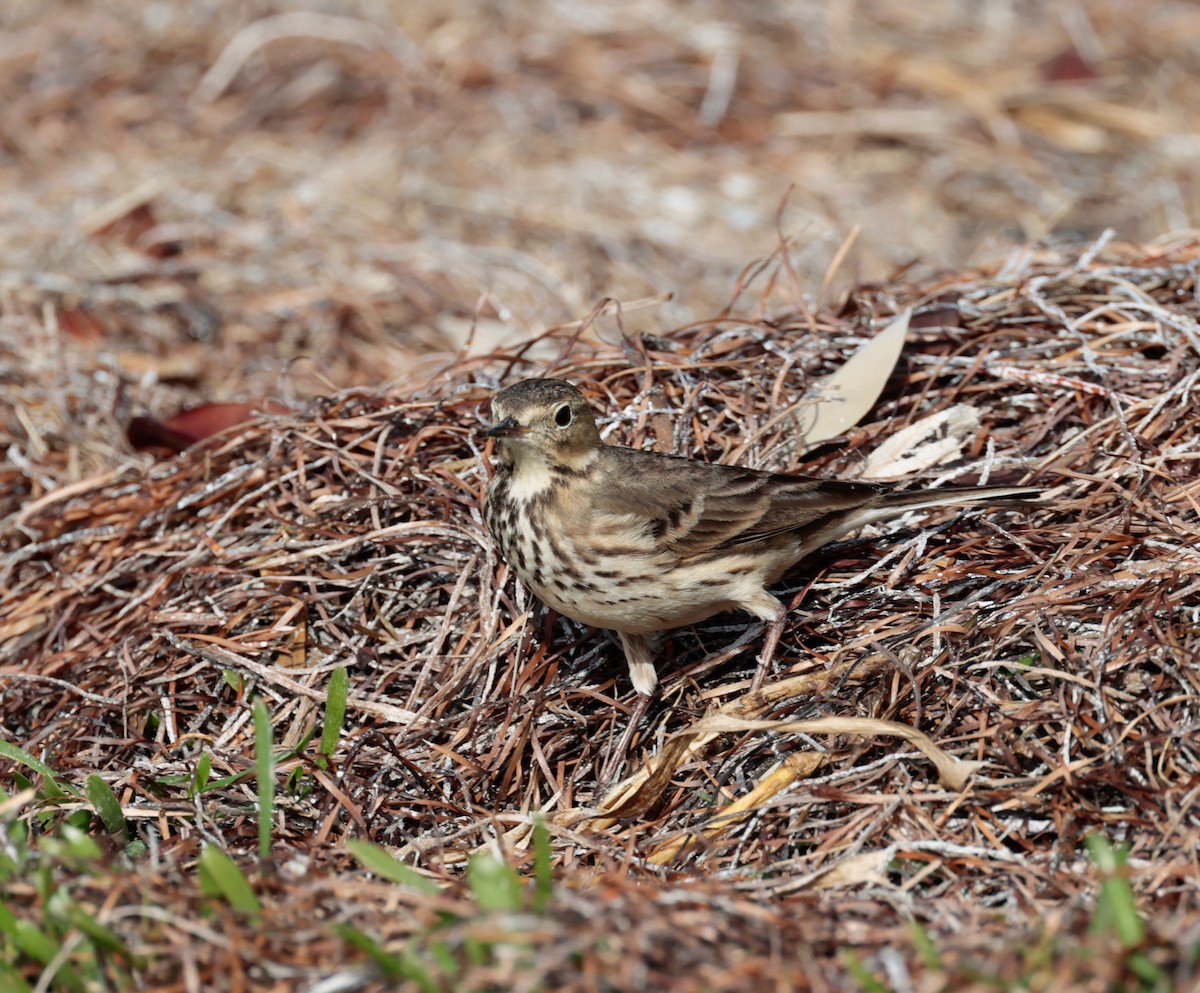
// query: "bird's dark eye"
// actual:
[[562, 416]]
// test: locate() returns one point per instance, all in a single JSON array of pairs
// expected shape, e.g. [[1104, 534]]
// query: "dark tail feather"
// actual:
[[894, 504], [953, 496]]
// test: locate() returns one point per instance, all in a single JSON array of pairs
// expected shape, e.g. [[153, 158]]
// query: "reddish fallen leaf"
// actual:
[[947, 316], [1067, 67], [131, 225], [82, 325], [193, 424], [133, 221]]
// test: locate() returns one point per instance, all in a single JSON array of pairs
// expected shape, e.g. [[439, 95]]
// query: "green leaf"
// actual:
[[390, 965], [81, 819], [12, 981], [42, 948], [924, 945], [220, 876], [296, 782], [226, 781], [42, 878], [477, 952], [34, 942], [543, 866], [387, 866], [496, 885], [203, 772], [264, 761], [1116, 908], [80, 846], [443, 957], [1150, 974], [103, 936], [8, 920], [104, 801], [860, 974], [51, 788], [335, 710], [18, 754]]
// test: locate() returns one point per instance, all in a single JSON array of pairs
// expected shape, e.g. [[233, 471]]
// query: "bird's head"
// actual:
[[544, 420]]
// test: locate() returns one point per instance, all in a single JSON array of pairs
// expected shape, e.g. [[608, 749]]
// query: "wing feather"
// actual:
[[695, 509]]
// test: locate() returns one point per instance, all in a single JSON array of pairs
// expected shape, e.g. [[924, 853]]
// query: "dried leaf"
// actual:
[[844, 398], [182, 430], [931, 441]]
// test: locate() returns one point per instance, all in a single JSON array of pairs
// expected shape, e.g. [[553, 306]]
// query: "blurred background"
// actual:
[[251, 199]]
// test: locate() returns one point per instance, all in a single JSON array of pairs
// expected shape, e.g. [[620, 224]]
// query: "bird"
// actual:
[[640, 542]]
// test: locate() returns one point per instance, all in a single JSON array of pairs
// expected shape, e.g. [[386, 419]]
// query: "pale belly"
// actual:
[[647, 602]]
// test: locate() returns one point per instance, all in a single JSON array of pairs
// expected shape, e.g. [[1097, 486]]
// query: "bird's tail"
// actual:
[[893, 504], [896, 503]]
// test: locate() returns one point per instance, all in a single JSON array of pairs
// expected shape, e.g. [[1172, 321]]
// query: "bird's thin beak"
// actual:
[[507, 428]]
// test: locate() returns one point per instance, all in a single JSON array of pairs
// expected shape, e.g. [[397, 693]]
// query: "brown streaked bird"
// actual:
[[640, 543]]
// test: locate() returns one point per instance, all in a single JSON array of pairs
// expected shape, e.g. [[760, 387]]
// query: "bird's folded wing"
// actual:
[[692, 508]]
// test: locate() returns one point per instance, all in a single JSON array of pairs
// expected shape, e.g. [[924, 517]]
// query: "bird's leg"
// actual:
[[639, 650], [773, 612], [639, 653], [774, 629], [612, 764]]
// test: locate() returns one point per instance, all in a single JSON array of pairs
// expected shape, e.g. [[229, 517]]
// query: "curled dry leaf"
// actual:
[[933, 440]]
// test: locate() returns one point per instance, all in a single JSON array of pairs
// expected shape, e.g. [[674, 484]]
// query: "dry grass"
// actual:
[[1055, 646], [343, 210]]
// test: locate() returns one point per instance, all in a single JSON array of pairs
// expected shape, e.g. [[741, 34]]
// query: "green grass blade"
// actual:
[[219, 874], [12, 981], [543, 867], [8, 920], [40, 947], [104, 937], [203, 772], [924, 945], [264, 761], [1116, 908], [390, 965], [386, 866], [19, 755], [78, 845], [860, 974], [335, 710], [496, 885], [104, 801]]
